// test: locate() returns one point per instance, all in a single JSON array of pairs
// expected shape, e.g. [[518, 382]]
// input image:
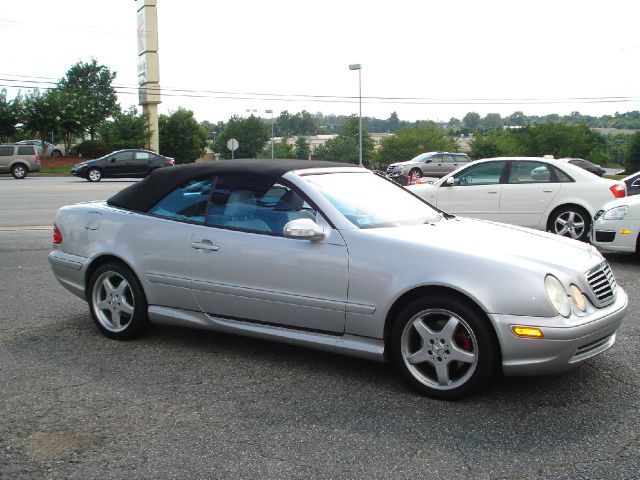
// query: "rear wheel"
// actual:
[[117, 302], [570, 221], [19, 171], [443, 347], [94, 175], [56, 153]]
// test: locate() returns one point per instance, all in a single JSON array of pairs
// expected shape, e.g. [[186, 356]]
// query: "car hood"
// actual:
[[399, 164], [501, 243]]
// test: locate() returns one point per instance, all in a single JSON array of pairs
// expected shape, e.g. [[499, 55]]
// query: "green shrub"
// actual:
[[90, 149]]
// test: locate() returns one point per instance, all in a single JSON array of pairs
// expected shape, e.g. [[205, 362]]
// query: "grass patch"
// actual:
[[615, 177], [57, 169]]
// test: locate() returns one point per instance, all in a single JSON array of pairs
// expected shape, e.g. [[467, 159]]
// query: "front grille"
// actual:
[[604, 236], [602, 284]]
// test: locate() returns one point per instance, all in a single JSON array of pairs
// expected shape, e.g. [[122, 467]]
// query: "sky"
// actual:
[[424, 59]]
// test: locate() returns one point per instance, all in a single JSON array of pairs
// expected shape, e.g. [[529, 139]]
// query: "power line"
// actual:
[[46, 83]]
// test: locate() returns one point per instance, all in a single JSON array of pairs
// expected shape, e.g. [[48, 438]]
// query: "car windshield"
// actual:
[[369, 201], [419, 159]]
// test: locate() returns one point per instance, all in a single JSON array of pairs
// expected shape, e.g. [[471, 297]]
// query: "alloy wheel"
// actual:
[[439, 349], [113, 301]]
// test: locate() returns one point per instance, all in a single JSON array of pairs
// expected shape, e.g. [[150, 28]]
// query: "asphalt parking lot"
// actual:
[[190, 404]]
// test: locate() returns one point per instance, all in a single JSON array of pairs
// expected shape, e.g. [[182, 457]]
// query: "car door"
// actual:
[[163, 243], [529, 189], [119, 164], [432, 166], [242, 267], [474, 191], [6, 156], [142, 163]]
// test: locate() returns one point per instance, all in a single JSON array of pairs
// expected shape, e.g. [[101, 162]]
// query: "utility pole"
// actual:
[[149, 66]]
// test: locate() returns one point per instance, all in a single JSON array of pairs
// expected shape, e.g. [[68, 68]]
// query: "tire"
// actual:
[[415, 173], [19, 171], [56, 153], [94, 175], [445, 348], [570, 221], [117, 302]]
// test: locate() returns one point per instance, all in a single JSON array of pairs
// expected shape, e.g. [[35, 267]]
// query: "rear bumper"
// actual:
[[563, 347], [69, 270]]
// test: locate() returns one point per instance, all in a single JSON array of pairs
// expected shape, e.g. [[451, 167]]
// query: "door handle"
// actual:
[[547, 191], [492, 192], [205, 245]]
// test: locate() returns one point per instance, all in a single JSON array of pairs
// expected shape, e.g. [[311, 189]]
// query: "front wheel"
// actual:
[[117, 302], [56, 153], [572, 222], [415, 173], [443, 347], [19, 171], [94, 175]]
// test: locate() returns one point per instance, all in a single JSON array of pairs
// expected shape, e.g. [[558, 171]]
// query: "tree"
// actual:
[[471, 120], [9, 111], [516, 119], [91, 84], [492, 121], [345, 146], [303, 149], [252, 135], [126, 130], [181, 136], [632, 160], [41, 114], [411, 141], [281, 149], [485, 146]]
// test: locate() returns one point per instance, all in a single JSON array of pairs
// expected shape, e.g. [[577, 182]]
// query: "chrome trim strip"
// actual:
[[362, 347], [257, 294], [58, 261], [360, 309], [167, 280]]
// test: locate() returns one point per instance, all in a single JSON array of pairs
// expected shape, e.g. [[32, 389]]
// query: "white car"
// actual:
[[616, 227], [540, 193]]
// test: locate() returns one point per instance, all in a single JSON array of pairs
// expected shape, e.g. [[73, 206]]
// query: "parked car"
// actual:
[[123, 163], [52, 150], [328, 256], [633, 183], [616, 226], [532, 192], [585, 164], [18, 160], [430, 164]]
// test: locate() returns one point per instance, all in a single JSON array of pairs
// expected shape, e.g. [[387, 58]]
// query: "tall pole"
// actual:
[[271, 112], [360, 113], [358, 66], [148, 66]]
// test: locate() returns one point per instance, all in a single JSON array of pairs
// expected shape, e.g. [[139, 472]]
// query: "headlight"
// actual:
[[578, 298], [617, 213], [557, 295]]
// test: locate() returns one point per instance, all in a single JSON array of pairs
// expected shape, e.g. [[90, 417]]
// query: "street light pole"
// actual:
[[271, 112], [358, 66]]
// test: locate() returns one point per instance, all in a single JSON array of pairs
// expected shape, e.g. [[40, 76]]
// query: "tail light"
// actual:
[[37, 157], [618, 190], [57, 236], [171, 161]]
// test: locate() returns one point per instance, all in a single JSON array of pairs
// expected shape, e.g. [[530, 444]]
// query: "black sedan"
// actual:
[[585, 164], [123, 163]]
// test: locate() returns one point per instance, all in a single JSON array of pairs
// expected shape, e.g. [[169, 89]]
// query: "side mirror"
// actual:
[[450, 181], [428, 160], [303, 229]]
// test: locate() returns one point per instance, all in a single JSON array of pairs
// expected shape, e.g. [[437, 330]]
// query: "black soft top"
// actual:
[[143, 195]]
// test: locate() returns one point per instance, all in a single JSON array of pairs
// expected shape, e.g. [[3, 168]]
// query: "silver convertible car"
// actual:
[[335, 257]]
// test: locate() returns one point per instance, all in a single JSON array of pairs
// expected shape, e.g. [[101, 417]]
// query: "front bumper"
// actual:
[[566, 343], [605, 234]]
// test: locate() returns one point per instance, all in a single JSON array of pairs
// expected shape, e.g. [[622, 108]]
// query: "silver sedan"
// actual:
[[337, 258]]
